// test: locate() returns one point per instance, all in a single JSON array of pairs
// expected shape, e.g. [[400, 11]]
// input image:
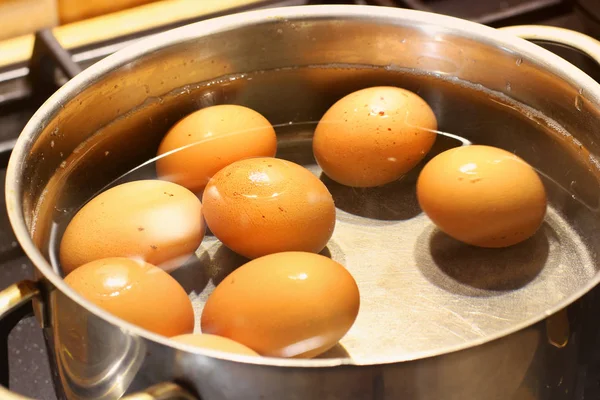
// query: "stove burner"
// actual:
[[493, 13], [47, 56]]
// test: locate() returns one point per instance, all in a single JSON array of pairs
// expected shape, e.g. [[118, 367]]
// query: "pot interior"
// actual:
[[421, 291]]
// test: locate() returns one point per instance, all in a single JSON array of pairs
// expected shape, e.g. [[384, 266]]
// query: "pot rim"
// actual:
[[383, 15]]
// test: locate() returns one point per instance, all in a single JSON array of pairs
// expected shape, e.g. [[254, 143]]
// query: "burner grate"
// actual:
[[493, 13]]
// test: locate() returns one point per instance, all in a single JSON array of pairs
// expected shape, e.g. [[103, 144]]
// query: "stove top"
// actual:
[[25, 85]]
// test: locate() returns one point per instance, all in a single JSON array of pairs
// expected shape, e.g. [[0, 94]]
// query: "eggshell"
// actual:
[[482, 195], [154, 221], [261, 206], [374, 136], [291, 304], [137, 292], [214, 342], [216, 136]]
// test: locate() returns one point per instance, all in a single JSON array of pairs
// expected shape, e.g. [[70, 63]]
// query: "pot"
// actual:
[[111, 117]]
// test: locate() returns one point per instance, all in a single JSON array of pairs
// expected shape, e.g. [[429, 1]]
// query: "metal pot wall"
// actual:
[[127, 101]]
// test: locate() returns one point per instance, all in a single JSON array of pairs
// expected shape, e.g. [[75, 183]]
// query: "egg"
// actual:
[[291, 304], [137, 292], [214, 342], [483, 196], [154, 221], [261, 206], [215, 137], [374, 136]]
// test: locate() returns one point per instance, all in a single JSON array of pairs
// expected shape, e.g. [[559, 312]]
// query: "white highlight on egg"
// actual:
[[115, 282], [214, 192], [303, 346], [313, 198], [468, 168], [259, 177], [300, 277]]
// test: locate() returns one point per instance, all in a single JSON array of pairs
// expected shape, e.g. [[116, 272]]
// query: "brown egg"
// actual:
[[137, 292], [216, 136], [261, 206], [482, 195], [214, 342], [291, 304], [154, 221], [374, 136]]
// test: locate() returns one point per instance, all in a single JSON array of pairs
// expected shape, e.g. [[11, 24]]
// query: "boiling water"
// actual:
[[420, 290]]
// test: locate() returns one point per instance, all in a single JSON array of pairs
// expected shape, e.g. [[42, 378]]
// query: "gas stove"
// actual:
[[26, 83]]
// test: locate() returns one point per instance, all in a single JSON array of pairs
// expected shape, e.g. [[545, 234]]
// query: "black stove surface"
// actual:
[[28, 366], [29, 372]]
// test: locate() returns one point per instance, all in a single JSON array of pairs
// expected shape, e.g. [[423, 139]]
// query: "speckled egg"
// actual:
[[261, 206], [290, 304], [210, 139], [137, 292], [374, 136], [482, 195], [150, 220]]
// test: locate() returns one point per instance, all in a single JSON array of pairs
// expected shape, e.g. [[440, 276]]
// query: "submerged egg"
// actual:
[[261, 206], [374, 136], [482, 195], [137, 292], [214, 342], [154, 221], [215, 137], [290, 304]]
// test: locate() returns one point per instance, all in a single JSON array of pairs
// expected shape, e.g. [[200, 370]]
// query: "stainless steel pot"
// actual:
[[125, 102]]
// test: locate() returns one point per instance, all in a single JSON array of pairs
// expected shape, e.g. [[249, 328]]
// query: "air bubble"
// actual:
[[519, 61], [508, 87]]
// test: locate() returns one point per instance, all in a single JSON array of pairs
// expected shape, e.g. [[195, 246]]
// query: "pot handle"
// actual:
[[19, 295], [15, 298], [562, 36]]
